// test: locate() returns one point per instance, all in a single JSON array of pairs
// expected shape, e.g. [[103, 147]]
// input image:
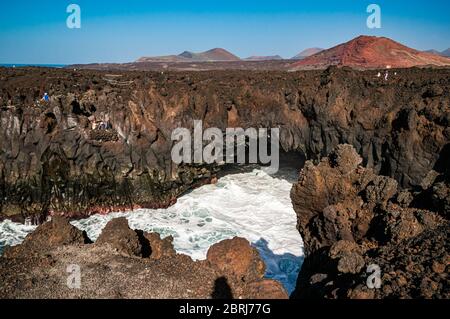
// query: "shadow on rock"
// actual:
[[222, 289]]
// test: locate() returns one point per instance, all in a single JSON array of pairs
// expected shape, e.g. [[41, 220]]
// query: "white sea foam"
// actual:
[[12, 234], [252, 205]]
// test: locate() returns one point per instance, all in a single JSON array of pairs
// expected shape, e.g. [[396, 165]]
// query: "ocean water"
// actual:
[[253, 205], [58, 66]]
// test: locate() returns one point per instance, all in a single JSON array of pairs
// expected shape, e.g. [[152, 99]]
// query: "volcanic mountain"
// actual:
[[213, 55], [371, 52], [433, 51], [306, 53], [446, 53]]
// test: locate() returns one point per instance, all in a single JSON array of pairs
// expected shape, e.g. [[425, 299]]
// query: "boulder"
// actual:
[[121, 237], [160, 247], [237, 258], [55, 233]]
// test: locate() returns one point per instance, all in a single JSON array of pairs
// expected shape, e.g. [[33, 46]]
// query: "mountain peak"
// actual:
[[446, 52], [219, 54], [187, 54], [306, 53], [371, 52]]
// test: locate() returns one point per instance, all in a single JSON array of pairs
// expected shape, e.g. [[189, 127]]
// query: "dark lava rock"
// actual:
[[160, 247], [121, 237], [440, 196], [351, 226], [57, 232], [348, 255], [404, 198], [265, 289], [53, 162]]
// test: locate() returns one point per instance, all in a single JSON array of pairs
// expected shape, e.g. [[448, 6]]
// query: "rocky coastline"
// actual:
[[355, 223], [53, 162], [129, 264], [374, 191]]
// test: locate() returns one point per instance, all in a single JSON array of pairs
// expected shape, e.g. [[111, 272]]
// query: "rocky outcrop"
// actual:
[[57, 232], [159, 247], [124, 263], [238, 258], [53, 163], [120, 237], [352, 225]]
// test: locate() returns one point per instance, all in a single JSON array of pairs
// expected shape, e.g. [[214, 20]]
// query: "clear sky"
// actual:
[[33, 31]]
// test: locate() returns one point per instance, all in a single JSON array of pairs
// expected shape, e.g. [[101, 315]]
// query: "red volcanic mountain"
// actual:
[[371, 52], [216, 54]]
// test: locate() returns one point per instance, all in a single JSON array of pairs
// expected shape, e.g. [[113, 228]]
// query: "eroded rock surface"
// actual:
[[350, 220], [53, 162], [125, 263], [57, 232]]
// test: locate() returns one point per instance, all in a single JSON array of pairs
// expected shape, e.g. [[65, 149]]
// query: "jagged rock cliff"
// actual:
[[354, 222], [52, 162]]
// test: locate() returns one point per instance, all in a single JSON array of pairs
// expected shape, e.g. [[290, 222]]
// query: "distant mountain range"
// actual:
[[445, 53], [371, 52], [363, 52], [219, 54], [306, 53], [213, 55]]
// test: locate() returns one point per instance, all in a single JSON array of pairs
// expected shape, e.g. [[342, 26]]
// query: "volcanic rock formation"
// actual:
[[53, 161], [124, 263], [352, 223]]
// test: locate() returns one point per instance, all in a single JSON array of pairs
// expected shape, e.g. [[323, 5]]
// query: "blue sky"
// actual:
[[121, 31]]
